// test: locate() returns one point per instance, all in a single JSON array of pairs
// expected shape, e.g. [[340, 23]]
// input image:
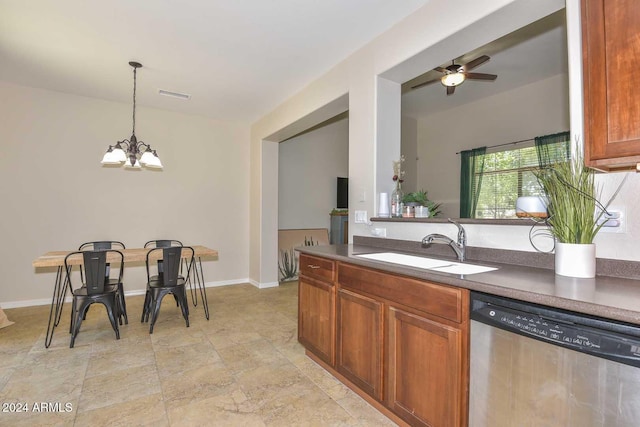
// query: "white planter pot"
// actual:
[[576, 260], [575, 288]]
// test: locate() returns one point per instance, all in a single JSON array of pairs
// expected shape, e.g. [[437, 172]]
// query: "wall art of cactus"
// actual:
[[288, 264], [309, 242]]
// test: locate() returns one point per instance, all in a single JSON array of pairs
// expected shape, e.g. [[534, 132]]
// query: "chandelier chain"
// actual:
[[134, 100]]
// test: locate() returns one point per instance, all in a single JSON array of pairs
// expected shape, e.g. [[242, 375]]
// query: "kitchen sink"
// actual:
[[463, 268], [434, 264]]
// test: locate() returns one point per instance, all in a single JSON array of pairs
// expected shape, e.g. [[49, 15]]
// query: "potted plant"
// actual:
[[419, 199], [574, 214]]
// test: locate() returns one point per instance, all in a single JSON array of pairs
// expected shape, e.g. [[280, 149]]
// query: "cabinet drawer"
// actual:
[[319, 268], [438, 300]]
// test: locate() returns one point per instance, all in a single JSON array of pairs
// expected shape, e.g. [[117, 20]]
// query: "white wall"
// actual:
[[55, 194], [539, 108], [308, 166], [409, 148]]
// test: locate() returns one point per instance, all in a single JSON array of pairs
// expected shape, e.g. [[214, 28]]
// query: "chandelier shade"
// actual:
[[130, 152]]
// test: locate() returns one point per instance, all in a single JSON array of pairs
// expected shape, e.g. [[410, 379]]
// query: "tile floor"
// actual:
[[243, 367]]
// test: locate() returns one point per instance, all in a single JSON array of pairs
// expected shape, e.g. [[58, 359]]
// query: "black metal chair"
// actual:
[[95, 290], [167, 243], [167, 281], [105, 245]]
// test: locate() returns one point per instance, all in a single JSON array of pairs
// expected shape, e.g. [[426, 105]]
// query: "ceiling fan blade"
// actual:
[[425, 83], [442, 70], [450, 90], [480, 76], [476, 62]]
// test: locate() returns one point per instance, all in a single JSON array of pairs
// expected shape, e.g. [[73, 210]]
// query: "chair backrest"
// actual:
[[94, 264], [167, 243], [162, 243], [169, 269], [101, 245]]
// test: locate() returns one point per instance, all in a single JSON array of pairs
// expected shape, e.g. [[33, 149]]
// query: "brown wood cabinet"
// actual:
[[359, 333], [401, 343], [426, 369], [316, 307], [610, 48]]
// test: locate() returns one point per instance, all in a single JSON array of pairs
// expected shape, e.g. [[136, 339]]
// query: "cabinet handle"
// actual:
[[313, 266]]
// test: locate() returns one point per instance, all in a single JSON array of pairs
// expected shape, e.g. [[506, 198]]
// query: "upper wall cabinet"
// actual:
[[611, 60]]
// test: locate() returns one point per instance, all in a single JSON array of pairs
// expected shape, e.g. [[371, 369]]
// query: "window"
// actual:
[[509, 174]]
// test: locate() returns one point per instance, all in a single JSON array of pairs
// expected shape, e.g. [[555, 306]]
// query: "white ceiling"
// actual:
[[535, 52], [238, 59]]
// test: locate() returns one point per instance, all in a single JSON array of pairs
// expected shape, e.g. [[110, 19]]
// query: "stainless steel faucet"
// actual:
[[458, 247]]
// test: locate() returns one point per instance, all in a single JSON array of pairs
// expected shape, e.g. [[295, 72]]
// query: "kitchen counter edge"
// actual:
[[605, 297]]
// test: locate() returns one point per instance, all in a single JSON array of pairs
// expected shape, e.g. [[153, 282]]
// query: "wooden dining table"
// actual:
[[194, 276]]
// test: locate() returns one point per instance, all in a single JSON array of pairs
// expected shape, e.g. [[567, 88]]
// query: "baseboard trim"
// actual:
[[47, 301], [264, 285]]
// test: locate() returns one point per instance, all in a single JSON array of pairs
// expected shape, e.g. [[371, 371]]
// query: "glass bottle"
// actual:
[[396, 201]]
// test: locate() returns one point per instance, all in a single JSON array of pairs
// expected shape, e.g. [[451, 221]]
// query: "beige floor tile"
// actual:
[[144, 411], [126, 355], [198, 383], [55, 381], [173, 361], [363, 412], [38, 417], [243, 367], [242, 357], [171, 335], [220, 411], [118, 387]]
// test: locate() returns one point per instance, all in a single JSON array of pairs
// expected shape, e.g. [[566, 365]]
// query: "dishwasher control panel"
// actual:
[[564, 333]]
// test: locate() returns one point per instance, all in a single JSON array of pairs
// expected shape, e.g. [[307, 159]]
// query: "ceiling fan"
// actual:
[[456, 74]]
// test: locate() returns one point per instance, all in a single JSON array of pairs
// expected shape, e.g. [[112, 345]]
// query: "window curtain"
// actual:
[[471, 170], [553, 148]]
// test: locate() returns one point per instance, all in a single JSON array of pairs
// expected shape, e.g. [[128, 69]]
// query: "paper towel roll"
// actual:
[[383, 205]]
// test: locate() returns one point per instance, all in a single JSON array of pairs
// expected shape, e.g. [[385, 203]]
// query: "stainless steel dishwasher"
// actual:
[[532, 365]]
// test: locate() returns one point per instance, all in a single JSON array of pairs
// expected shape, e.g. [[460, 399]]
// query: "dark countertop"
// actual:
[[606, 297]]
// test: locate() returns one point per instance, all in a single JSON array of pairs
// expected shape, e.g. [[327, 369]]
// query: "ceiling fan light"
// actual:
[[453, 79]]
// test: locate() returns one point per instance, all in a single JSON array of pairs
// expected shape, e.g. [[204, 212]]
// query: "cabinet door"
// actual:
[[316, 317], [611, 48], [359, 348], [425, 371]]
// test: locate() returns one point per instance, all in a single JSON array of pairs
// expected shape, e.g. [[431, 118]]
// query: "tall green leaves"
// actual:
[[572, 199]]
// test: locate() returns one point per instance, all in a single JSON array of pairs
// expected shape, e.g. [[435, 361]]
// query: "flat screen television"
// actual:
[[342, 199]]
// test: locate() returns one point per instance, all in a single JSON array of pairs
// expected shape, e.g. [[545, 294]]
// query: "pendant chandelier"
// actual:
[[131, 152]]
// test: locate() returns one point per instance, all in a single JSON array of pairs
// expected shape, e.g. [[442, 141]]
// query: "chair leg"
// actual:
[[112, 316], [156, 302], [122, 309], [78, 315], [145, 308], [73, 315], [184, 305]]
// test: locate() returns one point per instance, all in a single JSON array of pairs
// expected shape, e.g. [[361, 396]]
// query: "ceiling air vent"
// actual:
[[174, 94]]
